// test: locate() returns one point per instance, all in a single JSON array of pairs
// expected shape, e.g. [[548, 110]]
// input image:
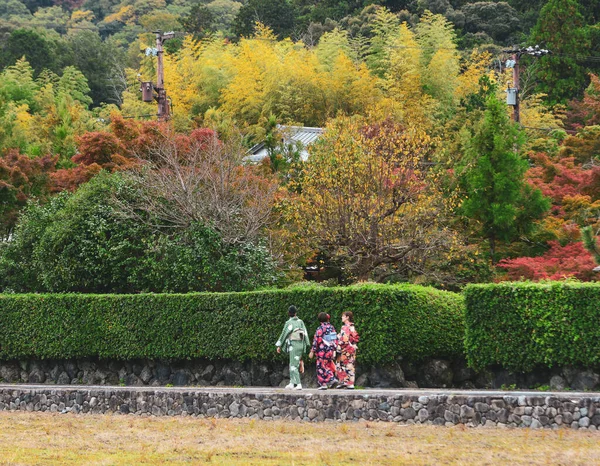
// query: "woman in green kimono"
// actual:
[[294, 339]]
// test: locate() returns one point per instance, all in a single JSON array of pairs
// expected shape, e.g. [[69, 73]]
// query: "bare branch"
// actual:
[[199, 179]]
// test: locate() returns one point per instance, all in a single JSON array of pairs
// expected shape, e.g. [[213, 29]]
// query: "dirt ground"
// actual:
[[66, 439]]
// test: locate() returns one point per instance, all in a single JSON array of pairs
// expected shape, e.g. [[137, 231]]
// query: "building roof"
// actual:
[[291, 134]]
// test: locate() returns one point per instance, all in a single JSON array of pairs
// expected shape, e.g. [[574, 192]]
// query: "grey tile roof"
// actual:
[[303, 134]]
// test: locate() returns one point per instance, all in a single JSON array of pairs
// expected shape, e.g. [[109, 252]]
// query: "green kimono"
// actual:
[[294, 340]]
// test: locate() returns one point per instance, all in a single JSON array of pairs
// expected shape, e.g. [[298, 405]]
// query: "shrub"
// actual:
[[81, 243], [523, 325], [400, 320]]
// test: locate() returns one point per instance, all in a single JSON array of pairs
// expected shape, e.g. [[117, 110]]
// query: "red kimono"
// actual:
[[347, 346]]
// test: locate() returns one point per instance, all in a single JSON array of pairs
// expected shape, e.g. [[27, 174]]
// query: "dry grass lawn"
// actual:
[[57, 439]]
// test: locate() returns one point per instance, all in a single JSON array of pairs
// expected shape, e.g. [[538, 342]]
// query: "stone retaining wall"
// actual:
[[433, 373], [202, 372], [577, 411]]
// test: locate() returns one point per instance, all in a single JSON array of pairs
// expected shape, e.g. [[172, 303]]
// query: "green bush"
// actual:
[[523, 325], [400, 320], [81, 243]]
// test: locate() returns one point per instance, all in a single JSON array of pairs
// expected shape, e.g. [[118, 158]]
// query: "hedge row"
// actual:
[[400, 320], [523, 325]]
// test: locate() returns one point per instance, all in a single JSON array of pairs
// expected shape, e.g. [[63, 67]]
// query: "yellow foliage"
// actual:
[[535, 114], [560, 229], [581, 209], [331, 45], [23, 122], [181, 85], [367, 199], [412, 77], [475, 68], [404, 73], [403, 79], [82, 15], [125, 14], [539, 120]]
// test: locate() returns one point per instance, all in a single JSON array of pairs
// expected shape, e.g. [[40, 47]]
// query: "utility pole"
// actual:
[[513, 98], [164, 111], [163, 103], [517, 106]]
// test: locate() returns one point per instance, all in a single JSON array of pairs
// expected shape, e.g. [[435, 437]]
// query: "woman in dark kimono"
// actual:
[[323, 347]]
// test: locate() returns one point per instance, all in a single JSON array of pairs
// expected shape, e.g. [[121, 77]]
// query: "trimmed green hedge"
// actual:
[[400, 320], [523, 325]]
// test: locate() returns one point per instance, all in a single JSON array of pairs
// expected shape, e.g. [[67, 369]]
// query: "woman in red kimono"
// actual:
[[323, 347], [346, 348]]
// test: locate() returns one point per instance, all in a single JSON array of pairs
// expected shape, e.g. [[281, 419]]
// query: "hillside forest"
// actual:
[[420, 175]]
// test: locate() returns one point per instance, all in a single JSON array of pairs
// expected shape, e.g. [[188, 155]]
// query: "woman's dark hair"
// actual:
[[350, 315], [292, 311], [323, 317]]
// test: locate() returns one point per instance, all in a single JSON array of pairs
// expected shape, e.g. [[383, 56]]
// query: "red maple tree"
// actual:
[[560, 262], [585, 112], [22, 178]]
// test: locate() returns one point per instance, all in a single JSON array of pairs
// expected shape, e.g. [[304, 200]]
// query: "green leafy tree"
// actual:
[[498, 20], [17, 84], [29, 44], [199, 21], [333, 10], [160, 21], [51, 17], [279, 15], [591, 10], [498, 198], [561, 29], [83, 243], [100, 8], [34, 5], [13, 8], [224, 13], [73, 83], [98, 61]]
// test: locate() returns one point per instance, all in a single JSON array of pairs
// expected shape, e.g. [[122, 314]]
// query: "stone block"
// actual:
[[502, 416], [584, 422], [558, 383], [449, 416], [482, 407], [535, 424], [526, 420], [408, 413], [498, 404], [466, 412], [585, 381]]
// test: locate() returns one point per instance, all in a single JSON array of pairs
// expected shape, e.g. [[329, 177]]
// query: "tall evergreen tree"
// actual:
[[498, 198], [590, 243], [561, 29]]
